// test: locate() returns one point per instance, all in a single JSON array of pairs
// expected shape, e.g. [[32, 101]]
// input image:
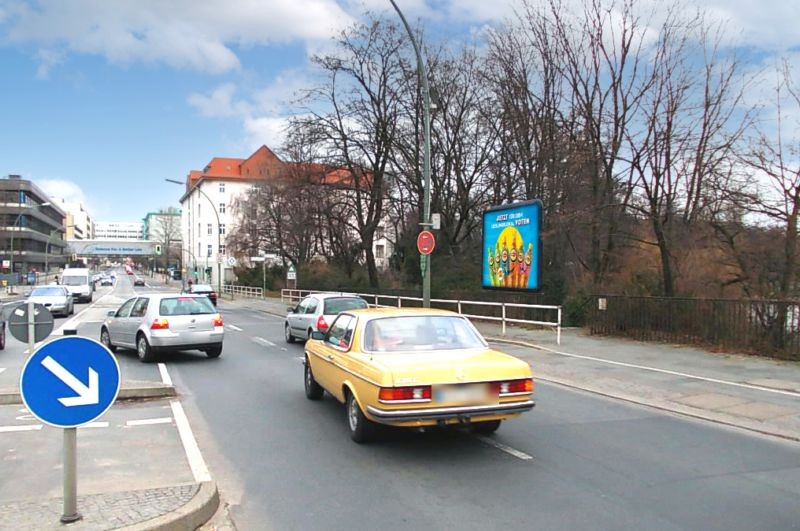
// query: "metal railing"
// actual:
[[244, 291], [503, 312]]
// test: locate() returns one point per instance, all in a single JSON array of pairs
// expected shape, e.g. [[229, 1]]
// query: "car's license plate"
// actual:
[[462, 394]]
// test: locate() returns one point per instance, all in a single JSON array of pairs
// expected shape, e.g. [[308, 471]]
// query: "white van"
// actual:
[[78, 281]]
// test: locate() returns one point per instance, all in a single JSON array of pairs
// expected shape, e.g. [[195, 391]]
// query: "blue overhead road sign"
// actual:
[[70, 381]]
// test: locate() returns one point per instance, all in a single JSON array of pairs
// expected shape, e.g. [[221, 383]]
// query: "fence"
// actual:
[[763, 327], [503, 312], [244, 291]]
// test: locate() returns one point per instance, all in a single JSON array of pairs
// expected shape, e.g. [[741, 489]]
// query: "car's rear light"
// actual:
[[392, 394], [218, 320], [159, 324], [513, 387], [321, 324]]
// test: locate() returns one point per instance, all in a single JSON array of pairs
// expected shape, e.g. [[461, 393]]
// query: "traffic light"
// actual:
[[158, 248]]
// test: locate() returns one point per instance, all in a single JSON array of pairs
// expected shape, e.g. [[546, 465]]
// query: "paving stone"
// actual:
[[711, 401], [100, 511]]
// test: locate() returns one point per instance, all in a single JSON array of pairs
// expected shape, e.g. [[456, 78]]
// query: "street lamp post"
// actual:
[[219, 235], [424, 261]]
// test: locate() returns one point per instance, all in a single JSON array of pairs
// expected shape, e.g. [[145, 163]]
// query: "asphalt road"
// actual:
[[284, 462]]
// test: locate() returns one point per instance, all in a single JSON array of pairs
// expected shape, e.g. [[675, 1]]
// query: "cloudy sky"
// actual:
[[103, 99]]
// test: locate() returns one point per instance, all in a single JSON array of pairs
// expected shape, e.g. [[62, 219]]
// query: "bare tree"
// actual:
[[166, 231]]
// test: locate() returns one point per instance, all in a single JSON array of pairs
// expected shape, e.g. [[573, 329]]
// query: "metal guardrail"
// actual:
[[244, 291], [504, 309]]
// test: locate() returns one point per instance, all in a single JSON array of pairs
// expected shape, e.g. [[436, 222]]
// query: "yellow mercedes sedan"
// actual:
[[414, 368]]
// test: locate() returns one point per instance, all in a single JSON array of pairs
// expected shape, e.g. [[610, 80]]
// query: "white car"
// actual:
[[57, 299], [316, 312]]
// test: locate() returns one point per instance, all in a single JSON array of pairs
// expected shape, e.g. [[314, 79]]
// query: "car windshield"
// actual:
[[47, 292], [420, 333], [334, 306], [186, 306], [74, 281]]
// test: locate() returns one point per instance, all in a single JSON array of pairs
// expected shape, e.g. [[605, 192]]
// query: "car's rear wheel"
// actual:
[[144, 350], [214, 352], [314, 391], [361, 428], [287, 333], [486, 428], [105, 339], [2, 335]]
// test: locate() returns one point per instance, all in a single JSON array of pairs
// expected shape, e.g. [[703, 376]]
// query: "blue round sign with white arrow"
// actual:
[[70, 381]]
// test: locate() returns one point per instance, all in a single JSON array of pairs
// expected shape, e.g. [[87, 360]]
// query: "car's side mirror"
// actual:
[[111, 313], [316, 334], [291, 309]]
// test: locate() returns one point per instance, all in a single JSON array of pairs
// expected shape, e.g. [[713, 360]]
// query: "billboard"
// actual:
[[512, 247]]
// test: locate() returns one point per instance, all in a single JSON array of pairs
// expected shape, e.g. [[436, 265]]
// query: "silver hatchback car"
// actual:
[[317, 312], [160, 322]]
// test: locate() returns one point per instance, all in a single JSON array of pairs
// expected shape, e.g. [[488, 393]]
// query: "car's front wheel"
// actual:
[[2, 335], [214, 352], [287, 333], [361, 428], [144, 350], [486, 428], [105, 339], [314, 390]]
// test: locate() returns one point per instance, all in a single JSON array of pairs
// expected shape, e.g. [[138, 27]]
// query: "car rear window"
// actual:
[[420, 333], [334, 306], [47, 292], [186, 306]]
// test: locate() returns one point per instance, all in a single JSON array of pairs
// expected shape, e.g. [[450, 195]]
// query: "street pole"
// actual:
[[219, 235], [424, 261]]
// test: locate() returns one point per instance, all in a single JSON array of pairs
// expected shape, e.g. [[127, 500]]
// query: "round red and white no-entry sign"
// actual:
[[426, 242]]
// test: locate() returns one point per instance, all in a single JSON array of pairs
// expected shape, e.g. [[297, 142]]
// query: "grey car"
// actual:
[[160, 322], [57, 299], [316, 313]]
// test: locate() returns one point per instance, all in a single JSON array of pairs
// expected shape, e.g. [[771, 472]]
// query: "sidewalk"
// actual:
[[749, 392]]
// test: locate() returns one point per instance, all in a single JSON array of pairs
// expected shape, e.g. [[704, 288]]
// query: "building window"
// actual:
[[222, 208], [222, 228], [222, 188], [379, 251], [221, 249], [379, 232], [198, 232], [210, 230], [198, 248], [198, 209], [209, 250]]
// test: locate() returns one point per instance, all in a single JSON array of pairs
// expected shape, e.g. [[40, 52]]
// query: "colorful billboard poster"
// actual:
[[512, 246]]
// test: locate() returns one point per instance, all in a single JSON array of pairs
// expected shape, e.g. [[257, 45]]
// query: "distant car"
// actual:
[[204, 289], [176, 275], [107, 281], [316, 312], [57, 299], [161, 322], [413, 367], [138, 281]]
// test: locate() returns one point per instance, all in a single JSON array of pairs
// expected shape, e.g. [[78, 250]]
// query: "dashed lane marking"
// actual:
[[147, 422], [33, 427], [164, 374], [1, 370], [99, 424], [263, 341], [234, 327], [504, 448]]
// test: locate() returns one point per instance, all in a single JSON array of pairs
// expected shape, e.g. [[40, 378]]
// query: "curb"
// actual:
[[675, 409], [136, 392], [197, 512]]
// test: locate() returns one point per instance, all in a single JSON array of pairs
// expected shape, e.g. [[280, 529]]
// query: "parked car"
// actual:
[[57, 299], [414, 368], [316, 312], [161, 322], [138, 281], [204, 289], [107, 281], [2, 331]]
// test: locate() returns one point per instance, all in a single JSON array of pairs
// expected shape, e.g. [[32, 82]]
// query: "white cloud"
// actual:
[[179, 33], [48, 59], [63, 189], [220, 103], [266, 130]]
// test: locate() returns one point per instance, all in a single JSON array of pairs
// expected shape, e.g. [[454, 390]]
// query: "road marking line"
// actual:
[[6, 429], [196, 461], [653, 369], [101, 424], [504, 448], [147, 422], [234, 327], [264, 341], [164, 374], [74, 322], [1, 370]]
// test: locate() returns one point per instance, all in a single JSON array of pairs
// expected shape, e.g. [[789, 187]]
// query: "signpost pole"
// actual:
[[264, 278], [31, 328], [70, 513]]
